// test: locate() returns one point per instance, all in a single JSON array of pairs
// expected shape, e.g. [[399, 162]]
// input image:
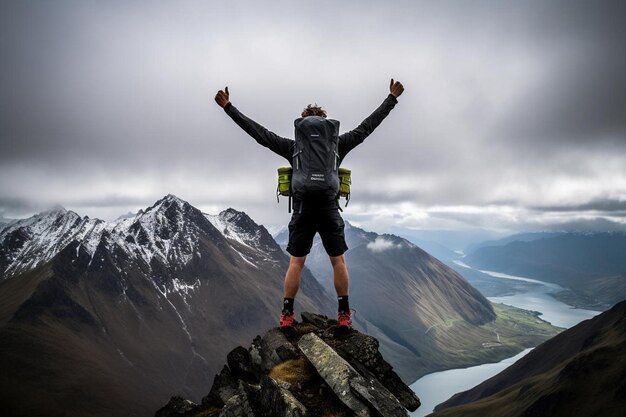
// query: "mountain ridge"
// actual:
[[136, 310], [591, 264]]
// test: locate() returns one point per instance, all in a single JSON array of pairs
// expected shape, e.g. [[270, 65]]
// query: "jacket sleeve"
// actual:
[[351, 139], [281, 146]]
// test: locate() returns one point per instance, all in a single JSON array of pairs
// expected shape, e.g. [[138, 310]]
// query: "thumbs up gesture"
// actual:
[[396, 88], [222, 97]]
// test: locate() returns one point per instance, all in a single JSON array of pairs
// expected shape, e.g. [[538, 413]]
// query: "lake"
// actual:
[[437, 387]]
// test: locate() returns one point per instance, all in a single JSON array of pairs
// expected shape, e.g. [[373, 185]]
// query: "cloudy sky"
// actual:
[[513, 116]]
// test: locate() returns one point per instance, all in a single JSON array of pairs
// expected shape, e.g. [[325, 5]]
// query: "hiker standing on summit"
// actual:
[[315, 157]]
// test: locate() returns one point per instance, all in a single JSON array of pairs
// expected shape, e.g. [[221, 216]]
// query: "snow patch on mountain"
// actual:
[[245, 259], [181, 287], [229, 223]]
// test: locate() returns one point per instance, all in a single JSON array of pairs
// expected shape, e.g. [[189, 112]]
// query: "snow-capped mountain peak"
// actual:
[[26, 243], [168, 231]]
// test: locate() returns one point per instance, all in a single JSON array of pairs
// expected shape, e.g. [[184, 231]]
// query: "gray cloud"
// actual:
[[579, 100], [16, 206], [528, 221], [608, 205], [107, 106]]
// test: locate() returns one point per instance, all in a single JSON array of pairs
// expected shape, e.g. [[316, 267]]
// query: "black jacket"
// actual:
[[285, 147]]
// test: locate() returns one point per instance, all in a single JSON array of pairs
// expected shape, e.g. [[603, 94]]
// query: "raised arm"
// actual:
[[351, 139], [281, 146]]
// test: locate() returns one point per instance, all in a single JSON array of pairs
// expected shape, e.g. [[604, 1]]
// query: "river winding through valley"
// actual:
[[437, 387]]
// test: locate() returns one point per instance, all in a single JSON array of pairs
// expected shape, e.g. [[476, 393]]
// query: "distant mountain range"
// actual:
[[593, 264], [517, 237], [452, 239], [580, 372], [435, 249]]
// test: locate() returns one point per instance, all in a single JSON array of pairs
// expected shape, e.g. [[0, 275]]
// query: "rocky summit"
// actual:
[[315, 369]]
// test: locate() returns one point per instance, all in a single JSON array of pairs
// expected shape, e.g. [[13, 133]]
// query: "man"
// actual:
[[318, 215]]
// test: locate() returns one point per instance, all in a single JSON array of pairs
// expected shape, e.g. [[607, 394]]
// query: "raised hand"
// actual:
[[396, 88], [222, 97]]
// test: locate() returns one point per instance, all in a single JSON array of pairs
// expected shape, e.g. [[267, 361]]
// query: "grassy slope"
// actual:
[[517, 329]]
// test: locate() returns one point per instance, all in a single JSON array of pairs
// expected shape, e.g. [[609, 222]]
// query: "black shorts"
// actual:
[[328, 223]]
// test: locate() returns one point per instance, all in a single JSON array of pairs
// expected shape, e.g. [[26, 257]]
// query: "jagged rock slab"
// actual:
[[275, 348], [334, 370], [224, 386], [238, 405], [361, 351], [240, 364], [255, 354], [351, 387], [277, 401], [378, 397]]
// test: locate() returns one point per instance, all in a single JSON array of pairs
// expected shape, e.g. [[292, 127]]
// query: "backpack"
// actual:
[[315, 159], [284, 184]]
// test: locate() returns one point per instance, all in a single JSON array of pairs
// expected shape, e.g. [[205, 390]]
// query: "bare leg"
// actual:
[[292, 277], [340, 272]]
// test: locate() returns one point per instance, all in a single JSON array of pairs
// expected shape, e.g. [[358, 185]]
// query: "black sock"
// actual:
[[343, 303], [288, 305]]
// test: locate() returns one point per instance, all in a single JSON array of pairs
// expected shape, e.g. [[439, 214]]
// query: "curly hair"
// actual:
[[313, 110]]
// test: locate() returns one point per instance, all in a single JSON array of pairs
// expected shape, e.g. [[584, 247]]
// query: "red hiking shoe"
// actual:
[[344, 319], [287, 319]]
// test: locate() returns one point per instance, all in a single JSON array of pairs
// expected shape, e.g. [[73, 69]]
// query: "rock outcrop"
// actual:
[[314, 370]]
